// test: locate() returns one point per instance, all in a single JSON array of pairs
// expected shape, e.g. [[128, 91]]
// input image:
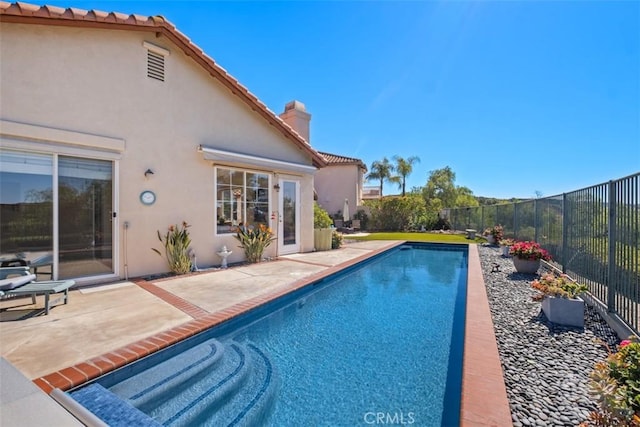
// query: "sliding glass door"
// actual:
[[56, 214], [85, 224]]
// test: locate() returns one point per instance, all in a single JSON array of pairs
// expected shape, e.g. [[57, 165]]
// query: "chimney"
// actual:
[[297, 117]]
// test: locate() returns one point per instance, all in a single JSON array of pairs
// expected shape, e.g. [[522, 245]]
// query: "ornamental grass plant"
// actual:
[[530, 251], [176, 243], [254, 240]]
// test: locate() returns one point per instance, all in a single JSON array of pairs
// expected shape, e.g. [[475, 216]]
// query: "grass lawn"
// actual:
[[418, 237]]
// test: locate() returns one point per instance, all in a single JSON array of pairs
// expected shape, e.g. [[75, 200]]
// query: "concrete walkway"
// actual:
[[100, 319]]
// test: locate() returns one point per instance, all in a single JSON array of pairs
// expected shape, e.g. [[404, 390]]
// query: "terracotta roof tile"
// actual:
[[33, 14], [335, 159]]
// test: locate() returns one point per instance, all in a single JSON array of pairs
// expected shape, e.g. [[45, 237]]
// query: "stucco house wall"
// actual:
[[91, 84], [334, 184]]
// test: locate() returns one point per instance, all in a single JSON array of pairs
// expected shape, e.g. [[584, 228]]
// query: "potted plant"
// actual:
[[254, 240], [494, 234], [560, 299], [615, 384], [527, 256], [505, 246], [322, 231]]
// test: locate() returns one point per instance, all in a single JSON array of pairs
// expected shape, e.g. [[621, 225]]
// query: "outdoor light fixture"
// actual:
[[147, 173], [276, 187]]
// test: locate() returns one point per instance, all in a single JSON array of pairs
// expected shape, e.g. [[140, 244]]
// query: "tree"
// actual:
[[404, 167], [441, 192], [381, 170]]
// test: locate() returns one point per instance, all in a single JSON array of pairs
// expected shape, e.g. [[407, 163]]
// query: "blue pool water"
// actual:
[[378, 344]]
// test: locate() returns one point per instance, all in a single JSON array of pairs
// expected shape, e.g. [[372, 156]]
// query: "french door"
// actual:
[[289, 217]]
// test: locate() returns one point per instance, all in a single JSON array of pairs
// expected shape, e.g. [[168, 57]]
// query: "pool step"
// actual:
[[214, 383], [159, 384], [110, 408], [209, 391], [248, 405]]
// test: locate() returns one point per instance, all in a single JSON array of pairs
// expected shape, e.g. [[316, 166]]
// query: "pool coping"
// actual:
[[484, 400]]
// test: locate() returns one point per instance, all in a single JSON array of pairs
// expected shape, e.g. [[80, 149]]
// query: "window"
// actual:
[[242, 198]]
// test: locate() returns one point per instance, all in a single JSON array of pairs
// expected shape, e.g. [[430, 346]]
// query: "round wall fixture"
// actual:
[[148, 197]]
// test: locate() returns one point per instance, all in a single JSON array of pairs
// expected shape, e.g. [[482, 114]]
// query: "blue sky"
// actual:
[[517, 97]]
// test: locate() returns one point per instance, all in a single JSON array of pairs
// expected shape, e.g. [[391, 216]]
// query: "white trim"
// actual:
[[55, 268], [41, 138], [156, 49], [246, 159]]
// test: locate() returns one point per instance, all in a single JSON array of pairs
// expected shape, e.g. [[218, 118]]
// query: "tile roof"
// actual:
[[335, 159], [26, 13]]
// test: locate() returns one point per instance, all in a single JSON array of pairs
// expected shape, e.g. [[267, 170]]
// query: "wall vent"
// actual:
[[155, 60], [155, 66]]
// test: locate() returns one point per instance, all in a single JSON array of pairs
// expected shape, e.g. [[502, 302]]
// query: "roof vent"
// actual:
[[155, 61]]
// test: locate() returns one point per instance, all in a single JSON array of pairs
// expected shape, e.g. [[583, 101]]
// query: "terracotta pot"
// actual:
[[525, 265]]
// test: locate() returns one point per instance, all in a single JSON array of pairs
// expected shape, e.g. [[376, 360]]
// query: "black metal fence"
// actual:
[[593, 234]]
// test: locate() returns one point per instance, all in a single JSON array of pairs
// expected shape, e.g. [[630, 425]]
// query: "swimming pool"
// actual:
[[379, 343]]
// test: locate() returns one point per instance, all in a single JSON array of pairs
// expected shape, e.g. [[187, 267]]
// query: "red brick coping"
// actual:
[[484, 398]]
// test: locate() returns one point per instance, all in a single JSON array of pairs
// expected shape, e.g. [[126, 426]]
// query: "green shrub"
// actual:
[[321, 218], [336, 239], [396, 213]]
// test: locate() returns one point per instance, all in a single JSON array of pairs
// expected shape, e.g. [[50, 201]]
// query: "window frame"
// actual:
[[225, 205]]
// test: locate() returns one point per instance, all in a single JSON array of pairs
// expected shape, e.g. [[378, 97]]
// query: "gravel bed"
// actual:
[[546, 366]]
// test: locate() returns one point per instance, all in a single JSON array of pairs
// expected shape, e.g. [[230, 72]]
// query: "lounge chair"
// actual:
[[45, 260], [18, 281]]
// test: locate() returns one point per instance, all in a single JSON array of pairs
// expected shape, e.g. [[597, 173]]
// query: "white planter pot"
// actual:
[[505, 250], [564, 311], [490, 239], [525, 265], [322, 238]]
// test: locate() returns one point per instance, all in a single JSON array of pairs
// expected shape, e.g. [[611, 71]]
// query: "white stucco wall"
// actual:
[[95, 82], [335, 183]]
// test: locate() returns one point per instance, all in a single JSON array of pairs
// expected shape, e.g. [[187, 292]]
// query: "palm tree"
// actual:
[[404, 169], [380, 170]]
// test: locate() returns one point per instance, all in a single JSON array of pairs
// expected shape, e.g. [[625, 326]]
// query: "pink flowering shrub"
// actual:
[[530, 251]]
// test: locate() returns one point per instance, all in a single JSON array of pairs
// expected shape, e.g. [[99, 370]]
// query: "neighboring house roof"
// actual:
[[25, 13], [335, 159]]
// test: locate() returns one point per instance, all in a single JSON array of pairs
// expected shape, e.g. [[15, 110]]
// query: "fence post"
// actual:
[[611, 243], [536, 236], [515, 219], [565, 230]]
